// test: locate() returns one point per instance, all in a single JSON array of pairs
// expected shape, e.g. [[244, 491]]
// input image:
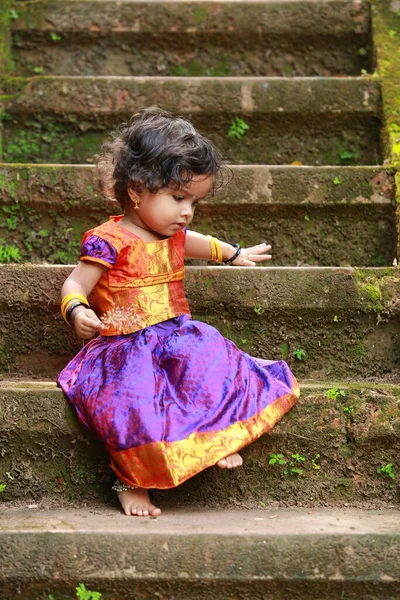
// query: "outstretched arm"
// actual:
[[82, 280], [198, 246]]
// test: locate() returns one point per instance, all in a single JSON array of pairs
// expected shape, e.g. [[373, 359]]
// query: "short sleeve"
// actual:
[[95, 249]]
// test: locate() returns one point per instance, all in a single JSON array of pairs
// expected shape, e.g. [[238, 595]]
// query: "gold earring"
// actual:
[[136, 204]]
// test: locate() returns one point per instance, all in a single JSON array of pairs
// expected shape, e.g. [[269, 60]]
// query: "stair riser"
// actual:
[[325, 216], [312, 121], [331, 314], [45, 451], [311, 140], [201, 566], [188, 55]]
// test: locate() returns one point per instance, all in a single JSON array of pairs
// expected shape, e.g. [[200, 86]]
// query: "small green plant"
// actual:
[[314, 462], [275, 458], [335, 319], [387, 471], [258, 309], [362, 52], [243, 342], [2, 487], [82, 594], [348, 410], [392, 33], [364, 72], [13, 14], [334, 393], [336, 180], [38, 70], [293, 470], [55, 37], [299, 353], [9, 254], [237, 128], [306, 218]]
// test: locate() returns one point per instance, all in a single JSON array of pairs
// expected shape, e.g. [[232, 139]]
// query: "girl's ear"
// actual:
[[133, 195]]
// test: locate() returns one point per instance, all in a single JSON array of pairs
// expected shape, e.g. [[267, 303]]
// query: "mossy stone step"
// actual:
[[320, 216], [191, 38], [342, 437], [269, 554], [312, 120], [345, 320]]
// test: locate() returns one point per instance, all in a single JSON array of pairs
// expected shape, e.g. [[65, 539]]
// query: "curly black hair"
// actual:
[[156, 150]]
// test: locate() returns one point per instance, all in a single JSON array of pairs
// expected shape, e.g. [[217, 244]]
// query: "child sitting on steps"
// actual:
[[168, 395]]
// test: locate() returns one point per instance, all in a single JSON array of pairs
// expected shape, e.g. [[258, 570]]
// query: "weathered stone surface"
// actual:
[[318, 216], [345, 320], [337, 435], [273, 555], [192, 38], [312, 120]]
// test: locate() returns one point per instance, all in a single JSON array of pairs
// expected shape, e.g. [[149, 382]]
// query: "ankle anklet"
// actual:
[[119, 486]]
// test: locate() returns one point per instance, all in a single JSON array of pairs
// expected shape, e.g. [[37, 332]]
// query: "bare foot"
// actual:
[[230, 462], [137, 502]]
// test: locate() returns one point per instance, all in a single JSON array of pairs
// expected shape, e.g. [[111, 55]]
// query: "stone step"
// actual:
[[269, 554], [338, 435], [89, 37], [312, 215], [312, 120], [345, 320]]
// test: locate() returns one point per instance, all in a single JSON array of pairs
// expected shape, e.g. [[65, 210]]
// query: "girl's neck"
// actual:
[[131, 222]]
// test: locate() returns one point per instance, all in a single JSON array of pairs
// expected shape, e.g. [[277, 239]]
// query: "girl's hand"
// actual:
[[86, 322], [249, 257]]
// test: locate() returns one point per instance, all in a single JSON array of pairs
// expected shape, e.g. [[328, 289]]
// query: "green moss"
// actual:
[[386, 33], [200, 14]]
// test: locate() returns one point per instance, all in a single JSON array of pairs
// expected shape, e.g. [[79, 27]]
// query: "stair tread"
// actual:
[[34, 517]]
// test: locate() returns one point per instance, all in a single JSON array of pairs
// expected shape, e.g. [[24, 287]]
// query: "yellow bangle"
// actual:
[[216, 250], [74, 296]]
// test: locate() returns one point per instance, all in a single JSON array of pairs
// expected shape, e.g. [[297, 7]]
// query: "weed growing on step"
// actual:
[[336, 180], [275, 458], [38, 70], [2, 487], [314, 462], [387, 471], [9, 253], [293, 469], [237, 128], [55, 37], [13, 14], [348, 410], [258, 309], [299, 353], [334, 393], [82, 594]]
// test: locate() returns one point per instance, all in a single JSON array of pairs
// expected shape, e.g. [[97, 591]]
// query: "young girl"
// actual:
[[169, 396]]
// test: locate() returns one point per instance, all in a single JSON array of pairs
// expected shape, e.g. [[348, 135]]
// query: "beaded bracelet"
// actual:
[[229, 261], [71, 307]]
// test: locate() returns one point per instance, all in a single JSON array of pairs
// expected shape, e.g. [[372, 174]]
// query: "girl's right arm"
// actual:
[[82, 280]]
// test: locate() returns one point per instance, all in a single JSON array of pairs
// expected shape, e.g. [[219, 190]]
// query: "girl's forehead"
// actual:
[[200, 185]]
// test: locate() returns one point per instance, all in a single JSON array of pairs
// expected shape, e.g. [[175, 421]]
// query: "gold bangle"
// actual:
[[69, 300], [74, 296], [216, 250]]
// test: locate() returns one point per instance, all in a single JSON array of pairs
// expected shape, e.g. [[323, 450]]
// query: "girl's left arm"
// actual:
[[198, 246]]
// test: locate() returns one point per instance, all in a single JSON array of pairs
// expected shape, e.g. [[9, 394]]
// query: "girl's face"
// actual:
[[170, 210]]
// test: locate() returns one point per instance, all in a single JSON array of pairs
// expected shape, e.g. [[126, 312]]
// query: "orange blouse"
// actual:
[[144, 281]]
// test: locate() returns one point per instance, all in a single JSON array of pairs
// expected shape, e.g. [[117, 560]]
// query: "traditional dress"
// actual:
[[168, 395]]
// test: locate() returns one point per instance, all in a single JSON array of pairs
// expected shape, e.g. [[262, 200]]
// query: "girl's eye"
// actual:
[[178, 198], [195, 204]]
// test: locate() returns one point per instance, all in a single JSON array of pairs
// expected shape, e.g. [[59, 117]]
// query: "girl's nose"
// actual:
[[187, 210]]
